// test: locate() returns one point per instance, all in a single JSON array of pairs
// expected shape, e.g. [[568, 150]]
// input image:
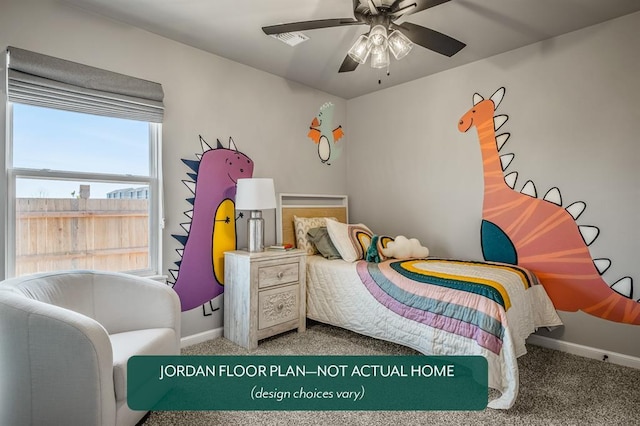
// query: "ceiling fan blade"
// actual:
[[309, 25], [348, 65], [431, 39], [398, 5], [372, 7]]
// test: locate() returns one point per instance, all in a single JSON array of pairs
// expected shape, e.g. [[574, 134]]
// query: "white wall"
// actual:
[[267, 116], [574, 108]]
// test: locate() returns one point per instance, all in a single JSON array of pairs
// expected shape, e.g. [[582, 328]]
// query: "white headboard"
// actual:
[[307, 205]]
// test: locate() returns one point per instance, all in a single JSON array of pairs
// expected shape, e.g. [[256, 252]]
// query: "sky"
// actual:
[[68, 141]]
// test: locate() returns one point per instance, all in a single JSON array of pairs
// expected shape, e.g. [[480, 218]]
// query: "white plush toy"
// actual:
[[403, 248]]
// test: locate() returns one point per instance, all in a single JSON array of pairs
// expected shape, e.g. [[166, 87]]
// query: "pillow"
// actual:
[[321, 240], [352, 241], [374, 252], [403, 248], [302, 225]]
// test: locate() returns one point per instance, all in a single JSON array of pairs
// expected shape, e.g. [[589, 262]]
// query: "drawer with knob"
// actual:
[[277, 274], [277, 305]]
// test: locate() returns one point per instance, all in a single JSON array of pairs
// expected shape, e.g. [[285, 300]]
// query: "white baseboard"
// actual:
[[585, 351], [201, 337]]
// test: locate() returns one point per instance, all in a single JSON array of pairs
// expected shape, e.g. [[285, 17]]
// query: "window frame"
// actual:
[[153, 180]]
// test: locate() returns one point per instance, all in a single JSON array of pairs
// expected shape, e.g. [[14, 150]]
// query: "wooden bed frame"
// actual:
[[305, 205]]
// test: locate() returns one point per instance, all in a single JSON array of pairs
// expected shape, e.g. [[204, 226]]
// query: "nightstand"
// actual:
[[264, 294]]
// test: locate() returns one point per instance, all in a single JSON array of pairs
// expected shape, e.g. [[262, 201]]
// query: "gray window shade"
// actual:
[[42, 80]]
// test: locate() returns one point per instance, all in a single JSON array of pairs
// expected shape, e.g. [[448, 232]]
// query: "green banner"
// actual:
[[416, 382]]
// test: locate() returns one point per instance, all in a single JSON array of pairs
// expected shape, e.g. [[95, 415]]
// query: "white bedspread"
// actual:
[[336, 295]]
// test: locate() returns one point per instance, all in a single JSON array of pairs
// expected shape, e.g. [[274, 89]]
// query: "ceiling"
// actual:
[[232, 29]]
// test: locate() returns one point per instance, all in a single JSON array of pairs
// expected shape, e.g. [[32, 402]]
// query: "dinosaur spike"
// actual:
[[510, 179], [576, 209], [589, 233], [199, 157], [178, 263], [192, 164], [505, 160], [602, 265], [232, 144], [553, 196], [186, 226], [180, 252], [501, 140], [191, 185], [499, 120], [497, 97], [624, 286], [182, 239], [204, 144], [529, 189], [188, 213], [219, 144], [191, 200], [193, 176], [174, 273], [477, 98]]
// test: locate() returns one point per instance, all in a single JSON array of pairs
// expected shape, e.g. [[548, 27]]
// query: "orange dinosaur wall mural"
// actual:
[[539, 233]]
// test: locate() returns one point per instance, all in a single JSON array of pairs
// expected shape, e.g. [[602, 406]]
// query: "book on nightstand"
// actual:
[[281, 247]]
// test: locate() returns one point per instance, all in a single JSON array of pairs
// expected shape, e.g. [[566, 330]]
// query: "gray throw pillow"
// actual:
[[320, 238]]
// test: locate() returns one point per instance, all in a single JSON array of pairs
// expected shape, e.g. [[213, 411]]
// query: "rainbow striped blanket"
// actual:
[[469, 299]]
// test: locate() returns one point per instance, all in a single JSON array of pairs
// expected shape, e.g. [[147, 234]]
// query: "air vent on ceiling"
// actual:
[[292, 39]]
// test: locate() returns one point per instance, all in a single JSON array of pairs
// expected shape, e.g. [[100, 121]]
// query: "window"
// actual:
[[84, 187]]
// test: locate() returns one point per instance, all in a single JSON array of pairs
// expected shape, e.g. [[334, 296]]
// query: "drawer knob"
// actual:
[[280, 275]]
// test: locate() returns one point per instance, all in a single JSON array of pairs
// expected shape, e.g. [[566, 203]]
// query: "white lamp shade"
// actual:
[[255, 194], [378, 36], [379, 57], [399, 44], [359, 52]]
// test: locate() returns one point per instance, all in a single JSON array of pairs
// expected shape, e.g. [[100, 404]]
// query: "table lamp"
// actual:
[[255, 194]]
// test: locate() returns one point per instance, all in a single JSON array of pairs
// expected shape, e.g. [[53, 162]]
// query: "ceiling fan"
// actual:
[[380, 15]]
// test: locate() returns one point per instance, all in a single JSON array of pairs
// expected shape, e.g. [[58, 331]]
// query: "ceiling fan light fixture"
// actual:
[[399, 44], [359, 52]]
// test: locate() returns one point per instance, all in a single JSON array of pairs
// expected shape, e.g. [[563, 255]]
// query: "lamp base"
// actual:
[[255, 232]]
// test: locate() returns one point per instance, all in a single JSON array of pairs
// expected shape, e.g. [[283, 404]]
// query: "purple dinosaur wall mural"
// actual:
[[539, 233], [212, 229]]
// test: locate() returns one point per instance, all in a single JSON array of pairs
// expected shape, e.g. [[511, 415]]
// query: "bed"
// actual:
[[435, 306]]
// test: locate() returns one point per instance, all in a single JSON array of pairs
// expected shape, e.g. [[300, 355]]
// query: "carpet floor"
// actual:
[[556, 388]]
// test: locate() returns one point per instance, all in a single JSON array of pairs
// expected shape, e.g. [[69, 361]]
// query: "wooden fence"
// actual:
[[77, 233]]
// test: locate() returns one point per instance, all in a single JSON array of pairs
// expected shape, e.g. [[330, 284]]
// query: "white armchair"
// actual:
[[66, 337]]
